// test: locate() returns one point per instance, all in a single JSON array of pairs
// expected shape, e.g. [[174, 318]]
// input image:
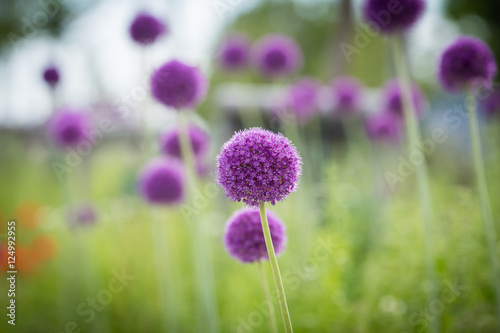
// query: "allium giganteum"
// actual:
[[257, 166], [244, 239]]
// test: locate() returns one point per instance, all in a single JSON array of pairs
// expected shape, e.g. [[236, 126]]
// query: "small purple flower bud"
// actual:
[[146, 29], [51, 76]]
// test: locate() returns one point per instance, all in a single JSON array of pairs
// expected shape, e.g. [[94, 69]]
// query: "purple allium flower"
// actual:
[[277, 55], [161, 182], [390, 16], [393, 102], [68, 128], [178, 85], [257, 165], [383, 126], [347, 94], [491, 104], [302, 99], [467, 61], [244, 238], [51, 76], [170, 142], [82, 215], [145, 29], [234, 52]]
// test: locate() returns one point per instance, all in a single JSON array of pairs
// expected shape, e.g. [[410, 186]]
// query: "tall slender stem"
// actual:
[[414, 138], [201, 245], [276, 270], [483, 192], [273, 327]]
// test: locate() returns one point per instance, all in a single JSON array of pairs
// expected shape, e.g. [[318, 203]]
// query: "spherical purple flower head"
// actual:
[[170, 142], [257, 165], [393, 101], [145, 29], [234, 52], [393, 16], [302, 99], [347, 94], [161, 182], [277, 55], [383, 126], [51, 76], [467, 61], [68, 128], [178, 85], [244, 238]]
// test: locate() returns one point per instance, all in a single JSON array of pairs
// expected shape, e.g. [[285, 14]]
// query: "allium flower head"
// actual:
[[170, 142], [178, 85], [51, 76], [234, 52], [161, 182], [391, 16], [347, 94], [383, 126], [82, 215], [257, 165], [244, 238], [68, 128], [302, 99], [393, 101], [467, 61], [145, 29], [277, 55]]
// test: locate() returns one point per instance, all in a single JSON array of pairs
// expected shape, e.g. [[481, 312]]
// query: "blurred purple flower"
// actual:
[[383, 126], [145, 29], [161, 182], [277, 55], [257, 165], [170, 142], [393, 102], [467, 61], [244, 238], [82, 215], [177, 85], [68, 128], [391, 16], [51, 76], [347, 95], [302, 99], [234, 52]]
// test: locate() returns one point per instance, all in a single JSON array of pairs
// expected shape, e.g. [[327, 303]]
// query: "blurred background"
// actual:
[[80, 228]]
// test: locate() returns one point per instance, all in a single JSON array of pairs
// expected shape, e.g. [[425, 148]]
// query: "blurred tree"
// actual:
[[22, 20]]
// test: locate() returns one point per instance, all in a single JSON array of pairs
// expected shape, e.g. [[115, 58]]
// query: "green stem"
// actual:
[[414, 138], [273, 327], [483, 192], [201, 245], [276, 270]]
